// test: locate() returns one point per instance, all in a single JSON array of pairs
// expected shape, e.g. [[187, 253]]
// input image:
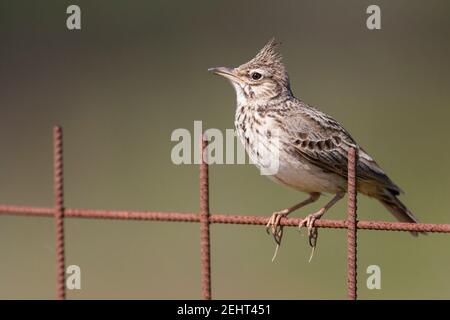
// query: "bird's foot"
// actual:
[[274, 228], [308, 222]]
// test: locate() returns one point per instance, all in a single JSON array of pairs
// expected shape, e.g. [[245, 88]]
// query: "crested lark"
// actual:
[[310, 147]]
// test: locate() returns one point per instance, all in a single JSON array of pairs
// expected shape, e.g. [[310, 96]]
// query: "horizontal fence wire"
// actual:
[[217, 218], [205, 218]]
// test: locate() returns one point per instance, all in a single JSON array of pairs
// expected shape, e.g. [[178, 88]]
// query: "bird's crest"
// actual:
[[269, 58], [268, 54]]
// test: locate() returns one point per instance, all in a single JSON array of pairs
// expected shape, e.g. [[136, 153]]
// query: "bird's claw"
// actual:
[[308, 222], [273, 226]]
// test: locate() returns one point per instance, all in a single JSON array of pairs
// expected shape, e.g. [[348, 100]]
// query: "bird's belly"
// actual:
[[307, 177], [281, 166], [291, 171]]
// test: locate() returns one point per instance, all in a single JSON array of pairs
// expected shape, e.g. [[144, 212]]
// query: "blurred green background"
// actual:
[[137, 71]]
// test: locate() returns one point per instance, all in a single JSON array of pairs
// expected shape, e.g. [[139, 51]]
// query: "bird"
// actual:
[[308, 147]]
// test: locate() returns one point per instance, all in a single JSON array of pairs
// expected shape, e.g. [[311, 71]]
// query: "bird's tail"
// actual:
[[397, 208]]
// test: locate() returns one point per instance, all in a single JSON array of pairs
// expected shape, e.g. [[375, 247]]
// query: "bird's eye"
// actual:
[[256, 75]]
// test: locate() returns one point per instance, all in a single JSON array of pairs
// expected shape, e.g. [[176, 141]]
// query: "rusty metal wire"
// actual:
[[205, 219], [216, 218], [351, 221], [204, 224], [59, 212]]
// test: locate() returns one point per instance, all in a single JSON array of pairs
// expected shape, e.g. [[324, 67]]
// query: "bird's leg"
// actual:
[[311, 218], [273, 226]]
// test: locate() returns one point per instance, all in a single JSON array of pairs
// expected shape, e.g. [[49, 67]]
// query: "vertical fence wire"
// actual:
[[205, 254], [351, 225], [59, 212]]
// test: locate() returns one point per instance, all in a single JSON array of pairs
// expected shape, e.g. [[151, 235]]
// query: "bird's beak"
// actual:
[[225, 72]]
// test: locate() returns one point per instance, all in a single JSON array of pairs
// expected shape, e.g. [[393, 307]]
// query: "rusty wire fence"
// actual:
[[205, 218]]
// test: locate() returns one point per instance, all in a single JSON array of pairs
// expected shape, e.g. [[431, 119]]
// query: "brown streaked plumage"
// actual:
[[309, 146]]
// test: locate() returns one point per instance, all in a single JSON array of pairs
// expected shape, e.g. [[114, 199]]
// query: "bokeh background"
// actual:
[[137, 71]]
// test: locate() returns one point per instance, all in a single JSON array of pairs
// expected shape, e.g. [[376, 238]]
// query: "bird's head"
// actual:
[[261, 79]]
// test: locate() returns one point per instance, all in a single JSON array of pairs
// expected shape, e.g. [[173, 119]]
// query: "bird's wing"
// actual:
[[321, 140]]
